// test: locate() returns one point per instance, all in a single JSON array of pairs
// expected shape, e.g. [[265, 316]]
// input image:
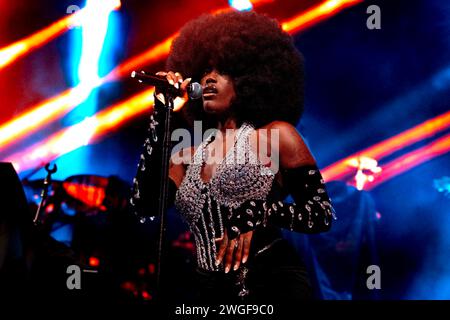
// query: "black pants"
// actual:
[[275, 276]]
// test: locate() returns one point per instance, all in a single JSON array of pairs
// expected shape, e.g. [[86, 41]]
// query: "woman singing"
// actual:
[[252, 79]]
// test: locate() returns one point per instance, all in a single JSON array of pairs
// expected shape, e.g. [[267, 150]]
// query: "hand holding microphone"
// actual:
[[170, 82]]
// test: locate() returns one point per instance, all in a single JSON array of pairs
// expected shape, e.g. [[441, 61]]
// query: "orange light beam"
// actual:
[[410, 160], [422, 131], [82, 133], [20, 48], [316, 14], [156, 53], [56, 106], [11, 132], [396, 167], [85, 132], [31, 120]]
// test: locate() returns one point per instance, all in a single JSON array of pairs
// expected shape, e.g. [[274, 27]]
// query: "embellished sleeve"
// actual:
[[311, 211], [144, 200]]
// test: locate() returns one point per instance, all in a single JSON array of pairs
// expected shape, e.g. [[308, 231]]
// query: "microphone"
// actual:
[[194, 89]]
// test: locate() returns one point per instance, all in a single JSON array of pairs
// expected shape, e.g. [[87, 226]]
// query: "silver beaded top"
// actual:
[[240, 176]]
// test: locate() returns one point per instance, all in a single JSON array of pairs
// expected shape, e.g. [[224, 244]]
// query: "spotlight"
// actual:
[[241, 5]]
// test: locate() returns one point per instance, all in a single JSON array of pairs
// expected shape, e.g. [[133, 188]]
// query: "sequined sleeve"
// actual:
[[311, 211], [144, 198]]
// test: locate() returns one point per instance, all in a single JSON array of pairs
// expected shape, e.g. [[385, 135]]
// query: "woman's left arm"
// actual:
[[311, 211]]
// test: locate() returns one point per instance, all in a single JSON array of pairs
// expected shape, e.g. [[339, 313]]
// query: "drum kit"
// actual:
[[84, 220], [62, 204]]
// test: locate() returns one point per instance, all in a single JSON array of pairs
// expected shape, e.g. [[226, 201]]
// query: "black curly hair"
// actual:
[[266, 68]]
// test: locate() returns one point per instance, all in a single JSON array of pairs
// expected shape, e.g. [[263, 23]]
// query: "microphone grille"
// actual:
[[195, 90]]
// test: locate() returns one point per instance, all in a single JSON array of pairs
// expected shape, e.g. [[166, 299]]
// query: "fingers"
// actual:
[[179, 77], [236, 250], [238, 253], [222, 248], [246, 245], [185, 83], [229, 255], [174, 78]]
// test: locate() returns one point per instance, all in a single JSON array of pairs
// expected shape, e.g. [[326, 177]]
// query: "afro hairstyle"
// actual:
[[261, 59]]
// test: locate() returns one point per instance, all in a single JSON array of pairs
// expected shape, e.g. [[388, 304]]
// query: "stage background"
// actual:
[[362, 87]]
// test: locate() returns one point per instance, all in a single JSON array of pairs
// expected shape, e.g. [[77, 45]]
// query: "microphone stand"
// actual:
[[44, 193], [164, 190]]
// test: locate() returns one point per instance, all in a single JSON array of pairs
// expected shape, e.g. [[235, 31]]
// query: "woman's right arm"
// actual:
[[144, 199]]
